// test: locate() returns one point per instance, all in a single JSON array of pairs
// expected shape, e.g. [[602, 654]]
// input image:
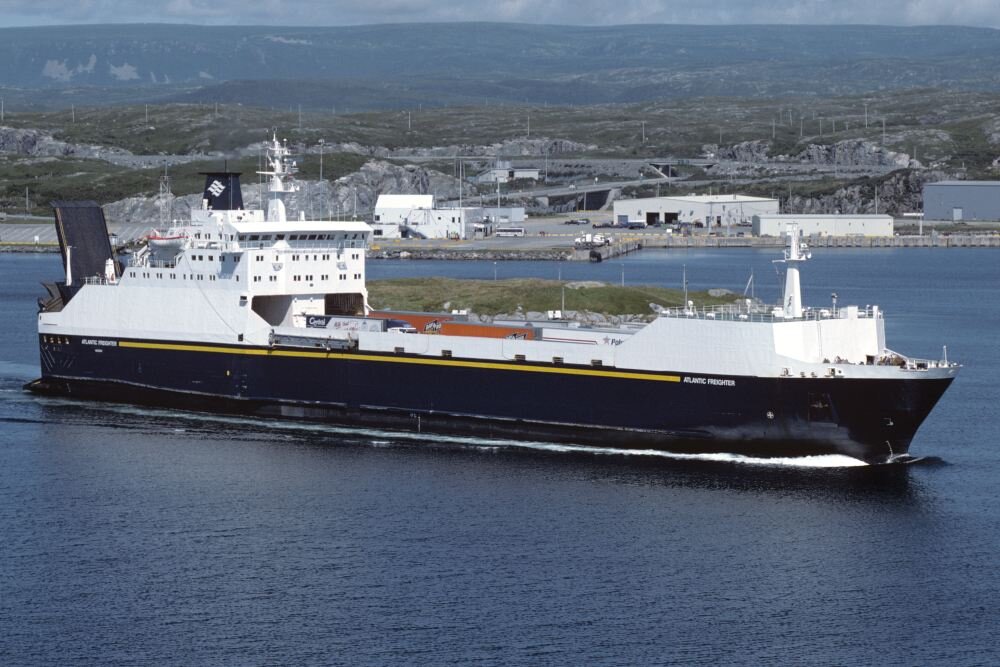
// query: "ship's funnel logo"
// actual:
[[216, 188]]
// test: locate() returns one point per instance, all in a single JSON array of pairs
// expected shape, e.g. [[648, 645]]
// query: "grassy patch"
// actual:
[[488, 297]]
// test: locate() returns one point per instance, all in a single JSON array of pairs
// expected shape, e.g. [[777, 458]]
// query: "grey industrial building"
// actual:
[[962, 201]]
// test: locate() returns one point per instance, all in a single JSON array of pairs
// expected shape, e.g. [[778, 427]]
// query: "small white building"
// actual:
[[824, 225], [698, 210], [503, 172], [414, 216]]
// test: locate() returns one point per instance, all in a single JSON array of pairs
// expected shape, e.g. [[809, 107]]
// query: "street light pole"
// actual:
[[321, 142]]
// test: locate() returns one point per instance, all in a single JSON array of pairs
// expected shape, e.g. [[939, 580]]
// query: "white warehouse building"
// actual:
[[824, 225], [414, 216], [699, 210]]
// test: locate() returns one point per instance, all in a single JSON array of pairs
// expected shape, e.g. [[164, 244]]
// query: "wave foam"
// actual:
[[387, 438]]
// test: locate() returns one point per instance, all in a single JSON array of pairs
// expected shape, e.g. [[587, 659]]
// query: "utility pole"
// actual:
[[800, 127], [409, 124], [72, 109], [321, 142], [147, 114], [866, 115], [643, 131]]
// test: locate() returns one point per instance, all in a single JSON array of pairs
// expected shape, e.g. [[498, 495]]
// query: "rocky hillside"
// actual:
[[848, 152], [355, 192], [901, 192]]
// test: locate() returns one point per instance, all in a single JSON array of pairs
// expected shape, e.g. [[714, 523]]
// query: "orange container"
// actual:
[[486, 330]]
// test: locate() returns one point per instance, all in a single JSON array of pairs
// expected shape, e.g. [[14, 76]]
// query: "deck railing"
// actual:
[[762, 313]]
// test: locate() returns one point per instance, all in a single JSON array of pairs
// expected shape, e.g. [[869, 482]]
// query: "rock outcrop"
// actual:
[[847, 153], [745, 151], [35, 143], [901, 192], [853, 153]]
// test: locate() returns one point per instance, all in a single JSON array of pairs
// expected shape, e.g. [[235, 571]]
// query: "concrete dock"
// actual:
[[545, 239]]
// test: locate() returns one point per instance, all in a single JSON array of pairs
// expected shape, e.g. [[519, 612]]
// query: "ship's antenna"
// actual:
[[165, 198]]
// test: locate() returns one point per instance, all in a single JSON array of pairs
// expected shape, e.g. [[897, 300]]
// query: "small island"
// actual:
[[532, 298]]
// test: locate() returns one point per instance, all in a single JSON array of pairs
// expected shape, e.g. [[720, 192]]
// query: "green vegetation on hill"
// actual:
[[934, 124], [75, 179], [489, 297]]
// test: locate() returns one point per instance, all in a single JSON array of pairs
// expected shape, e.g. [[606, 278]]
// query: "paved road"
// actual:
[[569, 191]]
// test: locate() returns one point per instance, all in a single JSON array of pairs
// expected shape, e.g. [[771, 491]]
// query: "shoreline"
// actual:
[[490, 251]]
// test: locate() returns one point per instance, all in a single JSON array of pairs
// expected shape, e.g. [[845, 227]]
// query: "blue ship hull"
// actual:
[[873, 420]]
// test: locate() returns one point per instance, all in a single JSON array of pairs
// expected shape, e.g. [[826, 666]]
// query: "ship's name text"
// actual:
[[101, 342], [713, 381]]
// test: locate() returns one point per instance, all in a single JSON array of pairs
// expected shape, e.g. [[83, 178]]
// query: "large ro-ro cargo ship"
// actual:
[[247, 311]]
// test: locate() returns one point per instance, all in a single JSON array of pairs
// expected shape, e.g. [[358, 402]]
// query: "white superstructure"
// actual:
[[228, 275]]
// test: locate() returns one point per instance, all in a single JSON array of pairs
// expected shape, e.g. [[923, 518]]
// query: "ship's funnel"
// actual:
[[222, 190]]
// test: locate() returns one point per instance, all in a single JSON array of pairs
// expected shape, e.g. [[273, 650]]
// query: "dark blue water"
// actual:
[[130, 536]]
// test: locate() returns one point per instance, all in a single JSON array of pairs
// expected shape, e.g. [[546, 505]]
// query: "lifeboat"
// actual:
[[159, 241]]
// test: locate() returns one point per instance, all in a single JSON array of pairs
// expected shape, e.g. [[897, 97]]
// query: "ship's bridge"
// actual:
[[338, 234]]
